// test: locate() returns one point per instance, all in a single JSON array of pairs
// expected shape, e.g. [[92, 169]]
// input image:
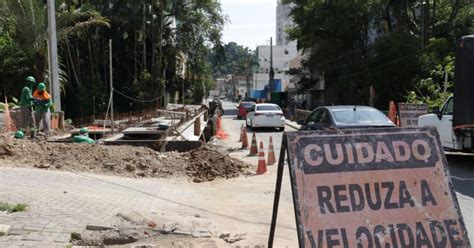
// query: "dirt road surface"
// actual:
[[64, 202]]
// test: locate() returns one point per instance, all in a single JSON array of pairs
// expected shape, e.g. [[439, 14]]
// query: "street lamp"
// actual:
[[423, 3]]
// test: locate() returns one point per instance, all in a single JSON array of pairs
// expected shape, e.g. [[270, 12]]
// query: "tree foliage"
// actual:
[[158, 47], [392, 45], [232, 58]]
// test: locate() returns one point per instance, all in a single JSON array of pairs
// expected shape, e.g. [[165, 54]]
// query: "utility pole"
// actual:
[[445, 88], [144, 34], [422, 25], [249, 64], [111, 87], [53, 56], [272, 73]]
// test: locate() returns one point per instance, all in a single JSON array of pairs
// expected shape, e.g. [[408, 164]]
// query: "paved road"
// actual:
[[262, 134], [461, 168]]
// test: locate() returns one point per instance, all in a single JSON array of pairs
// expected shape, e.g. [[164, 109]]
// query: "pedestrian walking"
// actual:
[[27, 121], [42, 102], [291, 109], [304, 104]]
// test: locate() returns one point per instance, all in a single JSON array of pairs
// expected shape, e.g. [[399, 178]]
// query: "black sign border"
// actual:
[[285, 147]]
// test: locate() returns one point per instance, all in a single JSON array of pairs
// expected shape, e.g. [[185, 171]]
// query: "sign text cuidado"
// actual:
[[373, 188]]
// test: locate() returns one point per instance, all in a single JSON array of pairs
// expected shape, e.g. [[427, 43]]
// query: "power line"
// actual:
[[354, 50], [138, 100], [371, 70]]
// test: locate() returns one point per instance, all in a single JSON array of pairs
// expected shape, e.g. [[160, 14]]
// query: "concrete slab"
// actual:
[[143, 130]]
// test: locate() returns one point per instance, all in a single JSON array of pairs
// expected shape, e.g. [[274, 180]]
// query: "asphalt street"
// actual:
[[461, 167], [262, 134]]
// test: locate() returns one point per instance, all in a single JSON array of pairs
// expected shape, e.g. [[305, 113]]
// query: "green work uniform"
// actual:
[[26, 120], [26, 97], [43, 106], [82, 139]]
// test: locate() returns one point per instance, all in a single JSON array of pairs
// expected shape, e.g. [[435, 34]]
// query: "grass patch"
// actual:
[[12, 208]]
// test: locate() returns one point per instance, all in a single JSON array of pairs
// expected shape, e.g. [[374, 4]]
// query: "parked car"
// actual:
[[345, 116], [265, 115], [243, 108]]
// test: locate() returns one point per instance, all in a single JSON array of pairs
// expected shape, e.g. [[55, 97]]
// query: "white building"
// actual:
[[284, 51], [283, 21], [282, 55]]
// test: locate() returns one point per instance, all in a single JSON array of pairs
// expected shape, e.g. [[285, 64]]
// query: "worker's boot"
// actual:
[[33, 133]]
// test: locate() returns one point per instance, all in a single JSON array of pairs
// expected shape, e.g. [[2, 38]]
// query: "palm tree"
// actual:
[[31, 29]]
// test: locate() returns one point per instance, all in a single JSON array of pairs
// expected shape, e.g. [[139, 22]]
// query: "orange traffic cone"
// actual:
[[253, 148], [220, 134], [9, 125], [271, 154], [219, 123], [241, 133], [392, 112], [245, 140], [262, 167]]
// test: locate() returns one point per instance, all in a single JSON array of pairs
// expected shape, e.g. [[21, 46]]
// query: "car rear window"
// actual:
[[247, 104], [360, 116], [268, 108]]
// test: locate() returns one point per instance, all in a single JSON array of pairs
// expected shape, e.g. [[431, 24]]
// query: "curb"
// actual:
[[292, 124]]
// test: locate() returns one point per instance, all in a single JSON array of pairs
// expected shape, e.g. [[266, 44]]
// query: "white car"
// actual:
[[265, 115]]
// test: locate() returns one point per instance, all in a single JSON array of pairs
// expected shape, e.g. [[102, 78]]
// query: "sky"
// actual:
[[251, 22]]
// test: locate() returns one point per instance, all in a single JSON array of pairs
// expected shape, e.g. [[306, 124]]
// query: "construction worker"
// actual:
[[42, 102], [26, 105], [83, 137]]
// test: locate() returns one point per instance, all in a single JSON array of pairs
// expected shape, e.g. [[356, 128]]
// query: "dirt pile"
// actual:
[[207, 164], [201, 165]]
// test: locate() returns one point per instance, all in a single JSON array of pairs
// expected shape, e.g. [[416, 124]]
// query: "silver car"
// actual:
[[345, 116]]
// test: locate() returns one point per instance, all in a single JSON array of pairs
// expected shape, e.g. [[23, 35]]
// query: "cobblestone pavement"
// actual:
[[63, 202]]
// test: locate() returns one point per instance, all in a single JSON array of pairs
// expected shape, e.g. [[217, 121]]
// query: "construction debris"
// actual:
[[132, 227], [204, 164], [207, 164]]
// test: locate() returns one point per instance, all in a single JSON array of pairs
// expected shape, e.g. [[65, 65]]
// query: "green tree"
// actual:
[[392, 45], [229, 58], [154, 42]]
